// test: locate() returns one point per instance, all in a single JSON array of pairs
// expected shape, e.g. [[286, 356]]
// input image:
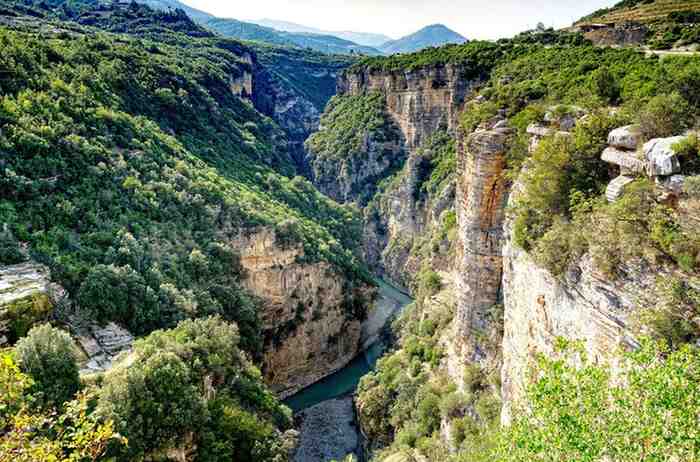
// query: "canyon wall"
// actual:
[[310, 312], [404, 222], [481, 197]]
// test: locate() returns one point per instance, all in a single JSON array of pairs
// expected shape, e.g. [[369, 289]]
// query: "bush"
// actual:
[[48, 355], [10, 251], [578, 411], [665, 115]]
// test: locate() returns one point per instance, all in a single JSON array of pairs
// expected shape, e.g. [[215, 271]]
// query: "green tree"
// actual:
[[48, 355]]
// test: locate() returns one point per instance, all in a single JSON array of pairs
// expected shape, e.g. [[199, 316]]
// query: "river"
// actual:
[[325, 410]]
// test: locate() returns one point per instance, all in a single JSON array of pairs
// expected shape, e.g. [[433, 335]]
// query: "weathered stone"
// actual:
[[539, 130], [673, 184], [625, 159], [27, 296], [310, 332], [102, 344], [481, 196], [663, 160], [582, 305], [628, 137], [616, 188]]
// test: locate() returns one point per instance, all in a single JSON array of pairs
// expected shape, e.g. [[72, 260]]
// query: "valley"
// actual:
[[218, 246]]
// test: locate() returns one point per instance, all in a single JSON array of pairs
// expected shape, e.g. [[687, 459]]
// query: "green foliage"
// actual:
[[127, 156], [14, 389], [673, 315], [665, 115], [159, 396], [478, 58], [10, 251], [74, 435], [475, 113], [582, 413], [48, 356], [348, 120]]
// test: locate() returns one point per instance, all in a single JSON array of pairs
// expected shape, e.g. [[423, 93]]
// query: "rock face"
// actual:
[[615, 34], [481, 197], [422, 103], [27, 296], [663, 160], [583, 306], [309, 312], [102, 345]]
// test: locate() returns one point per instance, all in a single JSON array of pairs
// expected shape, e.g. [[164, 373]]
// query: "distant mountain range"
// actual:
[[431, 36], [361, 38], [292, 34]]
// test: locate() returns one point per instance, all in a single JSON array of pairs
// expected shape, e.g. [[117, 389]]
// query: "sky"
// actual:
[[475, 19]]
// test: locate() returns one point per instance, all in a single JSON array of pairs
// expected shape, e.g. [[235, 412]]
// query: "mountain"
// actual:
[[255, 32], [361, 38], [430, 36]]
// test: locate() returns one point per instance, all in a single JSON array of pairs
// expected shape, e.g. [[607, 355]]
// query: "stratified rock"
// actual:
[[308, 311], [616, 188], [624, 159], [581, 305], [628, 137], [27, 296], [539, 130], [481, 196], [663, 160], [102, 344]]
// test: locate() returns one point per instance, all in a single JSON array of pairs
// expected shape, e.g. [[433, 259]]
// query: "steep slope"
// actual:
[[565, 231], [431, 36], [387, 143], [174, 191]]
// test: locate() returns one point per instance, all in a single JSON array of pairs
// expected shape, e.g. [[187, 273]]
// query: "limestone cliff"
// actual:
[[311, 313], [481, 197], [408, 220]]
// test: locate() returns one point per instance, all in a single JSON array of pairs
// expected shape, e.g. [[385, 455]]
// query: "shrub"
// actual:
[[604, 84], [10, 251], [664, 115], [48, 355], [578, 411]]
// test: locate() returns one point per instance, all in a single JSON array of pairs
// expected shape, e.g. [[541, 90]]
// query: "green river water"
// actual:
[[391, 302]]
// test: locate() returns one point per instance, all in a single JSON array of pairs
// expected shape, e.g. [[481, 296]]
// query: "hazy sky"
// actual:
[[481, 19]]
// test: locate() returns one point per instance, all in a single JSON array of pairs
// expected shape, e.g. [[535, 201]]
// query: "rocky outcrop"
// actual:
[[328, 432], [584, 305], [310, 312], [611, 34], [481, 197], [420, 101], [102, 345], [27, 297]]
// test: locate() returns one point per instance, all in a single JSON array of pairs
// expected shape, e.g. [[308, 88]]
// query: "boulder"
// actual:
[[674, 184], [625, 160], [663, 160], [565, 117], [538, 130], [616, 188], [628, 137]]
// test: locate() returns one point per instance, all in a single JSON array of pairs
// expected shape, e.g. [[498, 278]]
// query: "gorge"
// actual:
[[219, 250]]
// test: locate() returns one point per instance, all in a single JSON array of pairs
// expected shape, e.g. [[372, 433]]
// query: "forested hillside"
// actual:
[[131, 163]]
